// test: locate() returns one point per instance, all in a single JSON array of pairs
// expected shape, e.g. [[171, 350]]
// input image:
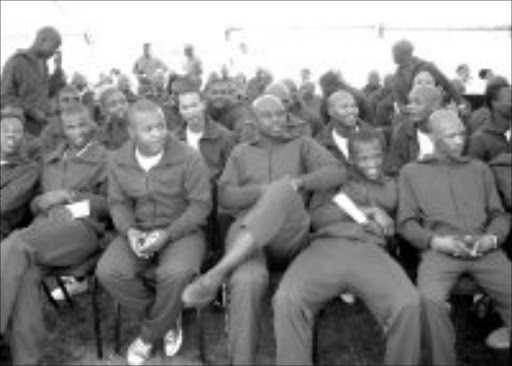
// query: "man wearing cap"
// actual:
[[449, 209], [26, 81], [265, 183]]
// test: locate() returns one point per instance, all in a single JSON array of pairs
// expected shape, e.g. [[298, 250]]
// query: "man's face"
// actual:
[[67, 98], [503, 102], [147, 50], [272, 119], [449, 137], [11, 135], [368, 158], [418, 108], [374, 79], [424, 78], [149, 131], [344, 110], [77, 129], [306, 90], [116, 105], [192, 110], [49, 47], [220, 95], [463, 73]]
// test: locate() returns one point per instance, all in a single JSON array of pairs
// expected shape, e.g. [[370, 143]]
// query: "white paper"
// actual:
[[79, 209], [350, 208]]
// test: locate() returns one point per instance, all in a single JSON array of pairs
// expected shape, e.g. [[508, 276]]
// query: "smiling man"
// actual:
[[73, 176]]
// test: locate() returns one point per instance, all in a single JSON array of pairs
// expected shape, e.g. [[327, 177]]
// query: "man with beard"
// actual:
[[449, 208], [265, 182], [69, 216]]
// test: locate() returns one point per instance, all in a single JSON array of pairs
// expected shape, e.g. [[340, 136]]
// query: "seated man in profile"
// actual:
[[159, 196], [19, 175], [69, 214], [265, 184], [348, 252], [449, 208]]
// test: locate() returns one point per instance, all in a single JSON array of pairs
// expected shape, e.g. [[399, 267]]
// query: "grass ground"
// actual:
[[348, 336]]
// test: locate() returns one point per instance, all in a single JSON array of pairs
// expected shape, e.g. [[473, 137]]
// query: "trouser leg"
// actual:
[[176, 265], [325, 269], [437, 274], [47, 243], [492, 272], [247, 288]]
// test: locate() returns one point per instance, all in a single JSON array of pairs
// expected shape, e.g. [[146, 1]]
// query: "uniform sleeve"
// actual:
[[121, 205], [323, 170], [476, 147], [232, 195], [499, 220], [9, 85], [20, 190], [409, 214], [198, 193], [98, 196], [398, 154]]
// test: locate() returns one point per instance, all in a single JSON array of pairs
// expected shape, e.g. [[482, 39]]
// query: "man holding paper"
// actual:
[[69, 214], [449, 208], [351, 224]]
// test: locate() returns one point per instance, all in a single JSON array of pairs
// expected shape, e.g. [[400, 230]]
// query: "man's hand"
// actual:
[[60, 213], [450, 245], [154, 242], [136, 239], [484, 244], [373, 227], [55, 197], [383, 219]]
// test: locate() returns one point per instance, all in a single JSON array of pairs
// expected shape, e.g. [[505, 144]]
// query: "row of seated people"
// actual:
[[278, 185]]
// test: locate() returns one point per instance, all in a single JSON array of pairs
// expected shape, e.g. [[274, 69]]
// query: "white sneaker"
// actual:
[[173, 339], [138, 352], [73, 286], [348, 298]]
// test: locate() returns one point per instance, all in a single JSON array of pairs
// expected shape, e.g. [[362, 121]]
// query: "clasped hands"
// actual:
[[464, 246], [145, 244]]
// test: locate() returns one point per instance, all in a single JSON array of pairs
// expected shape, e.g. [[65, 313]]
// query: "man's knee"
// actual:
[[178, 272], [253, 279]]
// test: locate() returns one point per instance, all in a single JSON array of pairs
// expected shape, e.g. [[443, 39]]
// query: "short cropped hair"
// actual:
[[493, 88], [76, 109], [363, 135], [144, 106]]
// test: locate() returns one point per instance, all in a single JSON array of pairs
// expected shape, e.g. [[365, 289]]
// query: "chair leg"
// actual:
[[96, 317], [49, 295], [117, 329], [316, 330], [64, 291], [201, 335]]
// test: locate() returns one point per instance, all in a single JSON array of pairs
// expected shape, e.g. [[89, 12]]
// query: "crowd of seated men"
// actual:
[[266, 174]]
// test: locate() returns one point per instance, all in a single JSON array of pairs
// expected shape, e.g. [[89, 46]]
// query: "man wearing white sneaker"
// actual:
[[159, 197]]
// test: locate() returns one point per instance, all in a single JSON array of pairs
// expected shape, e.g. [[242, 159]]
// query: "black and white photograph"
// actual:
[[255, 182]]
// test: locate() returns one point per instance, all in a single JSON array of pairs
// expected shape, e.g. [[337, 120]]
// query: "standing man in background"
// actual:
[[26, 80]]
